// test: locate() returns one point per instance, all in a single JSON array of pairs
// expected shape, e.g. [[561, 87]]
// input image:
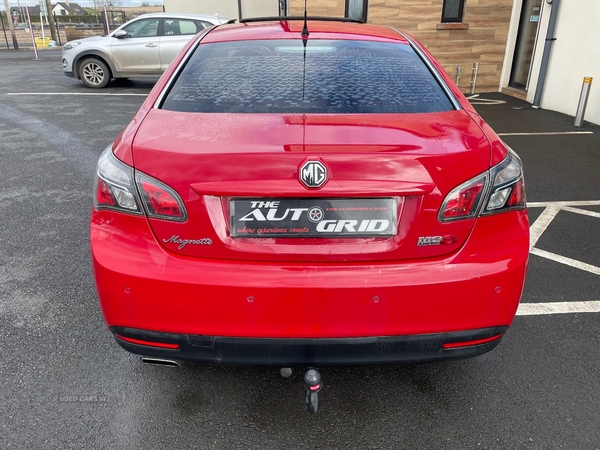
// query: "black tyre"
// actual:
[[94, 73]]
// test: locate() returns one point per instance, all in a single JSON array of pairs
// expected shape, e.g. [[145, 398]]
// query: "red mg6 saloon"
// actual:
[[308, 193]]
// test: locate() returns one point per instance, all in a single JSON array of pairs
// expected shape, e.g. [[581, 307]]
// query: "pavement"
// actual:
[[64, 382]]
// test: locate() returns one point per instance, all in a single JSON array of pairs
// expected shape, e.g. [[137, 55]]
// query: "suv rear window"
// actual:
[[328, 76]]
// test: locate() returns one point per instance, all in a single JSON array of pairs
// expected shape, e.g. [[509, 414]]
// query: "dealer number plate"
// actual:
[[309, 217]]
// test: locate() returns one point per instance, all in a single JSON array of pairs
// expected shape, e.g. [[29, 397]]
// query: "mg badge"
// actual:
[[313, 174]]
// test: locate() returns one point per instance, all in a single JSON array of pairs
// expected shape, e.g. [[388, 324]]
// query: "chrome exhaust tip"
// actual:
[[160, 362]]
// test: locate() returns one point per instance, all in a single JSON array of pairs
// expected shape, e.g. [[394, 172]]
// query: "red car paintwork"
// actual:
[[142, 285], [406, 152], [310, 287]]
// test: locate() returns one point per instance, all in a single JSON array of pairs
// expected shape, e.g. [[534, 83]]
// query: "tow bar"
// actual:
[[312, 383]]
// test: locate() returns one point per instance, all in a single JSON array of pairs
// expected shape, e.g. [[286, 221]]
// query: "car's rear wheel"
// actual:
[[94, 73]]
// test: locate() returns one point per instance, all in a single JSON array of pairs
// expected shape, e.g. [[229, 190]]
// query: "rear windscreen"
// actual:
[[284, 76]]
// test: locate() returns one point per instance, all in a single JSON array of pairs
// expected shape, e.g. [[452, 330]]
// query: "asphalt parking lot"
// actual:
[[64, 382]]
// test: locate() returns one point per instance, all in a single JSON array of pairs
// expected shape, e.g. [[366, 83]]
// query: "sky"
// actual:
[[84, 3]]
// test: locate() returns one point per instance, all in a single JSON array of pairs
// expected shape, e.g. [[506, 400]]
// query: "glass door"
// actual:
[[528, 27]]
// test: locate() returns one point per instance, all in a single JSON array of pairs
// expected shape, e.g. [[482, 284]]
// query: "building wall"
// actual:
[[482, 38], [225, 8], [574, 55], [60, 11], [24, 37], [483, 42]]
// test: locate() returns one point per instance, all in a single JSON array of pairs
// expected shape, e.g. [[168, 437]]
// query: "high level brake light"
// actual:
[[497, 190], [115, 189]]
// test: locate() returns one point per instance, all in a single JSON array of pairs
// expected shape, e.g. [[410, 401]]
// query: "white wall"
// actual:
[[575, 55], [225, 8], [540, 41], [58, 10], [511, 42]]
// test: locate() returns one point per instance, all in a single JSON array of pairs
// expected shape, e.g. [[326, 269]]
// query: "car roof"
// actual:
[[184, 16], [291, 29]]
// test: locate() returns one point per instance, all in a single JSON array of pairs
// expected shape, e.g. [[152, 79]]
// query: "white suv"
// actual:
[[143, 47]]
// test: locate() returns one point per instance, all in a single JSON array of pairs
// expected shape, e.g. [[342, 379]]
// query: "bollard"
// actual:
[[457, 75], [583, 98], [474, 77]]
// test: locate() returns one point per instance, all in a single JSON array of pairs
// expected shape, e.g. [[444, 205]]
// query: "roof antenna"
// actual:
[[304, 35], [305, 32]]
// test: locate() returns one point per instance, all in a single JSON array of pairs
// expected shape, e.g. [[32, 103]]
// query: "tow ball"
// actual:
[[313, 384]]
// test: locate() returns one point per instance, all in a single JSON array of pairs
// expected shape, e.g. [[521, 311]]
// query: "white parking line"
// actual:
[[536, 309], [561, 204], [551, 133], [475, 100], [583, 212], [77, 93], [564, 260], [540, 225], [536, 230], [544, 220]]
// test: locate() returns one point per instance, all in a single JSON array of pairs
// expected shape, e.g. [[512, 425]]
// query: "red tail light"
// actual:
[[114, 185], [506, 192], [103, 194], [115, 189], [517, 198], [161, 201], [508, 189], [464, 201]]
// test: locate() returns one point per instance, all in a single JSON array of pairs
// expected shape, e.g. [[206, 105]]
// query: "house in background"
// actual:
[[505, 39], [68, 9], [59, 9]]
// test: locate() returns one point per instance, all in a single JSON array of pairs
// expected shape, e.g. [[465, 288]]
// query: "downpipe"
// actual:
[[546, 56]]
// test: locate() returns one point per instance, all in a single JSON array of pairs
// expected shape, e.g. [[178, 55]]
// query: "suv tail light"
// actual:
[[115, 189], [497, 190]]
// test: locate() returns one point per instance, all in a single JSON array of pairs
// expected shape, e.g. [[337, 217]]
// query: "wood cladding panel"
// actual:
[[484, 41]]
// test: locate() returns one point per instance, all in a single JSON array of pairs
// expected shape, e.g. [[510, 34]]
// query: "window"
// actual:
[[328, 76], [452, 11], [357, 9], [142, 28], [201, 25], [177, 27], [172, 27]]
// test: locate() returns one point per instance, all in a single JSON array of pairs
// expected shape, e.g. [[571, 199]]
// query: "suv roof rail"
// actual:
[[322, 18]]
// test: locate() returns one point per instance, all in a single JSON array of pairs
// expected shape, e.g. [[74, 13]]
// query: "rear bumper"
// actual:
[[142, 286], [312, 352]]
